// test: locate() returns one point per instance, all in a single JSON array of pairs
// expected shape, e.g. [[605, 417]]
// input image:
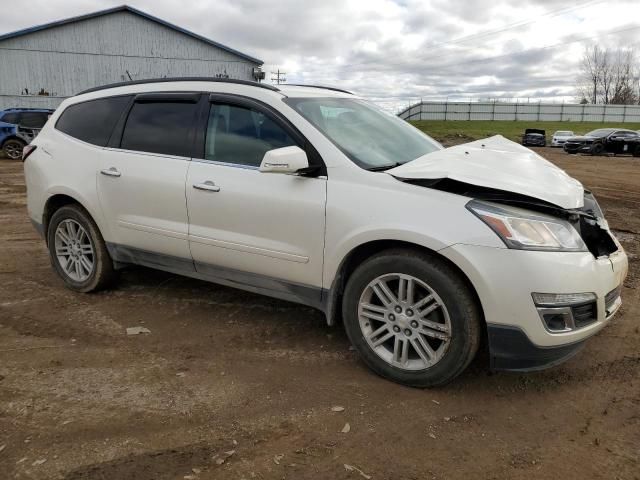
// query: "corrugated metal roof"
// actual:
[[127, 8]]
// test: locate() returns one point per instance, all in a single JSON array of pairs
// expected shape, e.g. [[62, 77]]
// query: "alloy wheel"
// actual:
[[74, 250], [13, 149], [404, 321]]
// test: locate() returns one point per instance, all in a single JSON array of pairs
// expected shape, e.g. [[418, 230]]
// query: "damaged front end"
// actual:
[[500, 172], [588, 220]]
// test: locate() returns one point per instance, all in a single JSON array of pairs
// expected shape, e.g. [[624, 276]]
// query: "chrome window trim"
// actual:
[[225, 164], [149, 154]]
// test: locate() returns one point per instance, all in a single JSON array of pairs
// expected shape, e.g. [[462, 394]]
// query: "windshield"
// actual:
[[370, 137], [602, 132]]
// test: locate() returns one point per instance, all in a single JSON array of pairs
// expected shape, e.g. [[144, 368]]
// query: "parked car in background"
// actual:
[[535, 137], [560, 137], [605, 140], [316, 196], [18, 126]]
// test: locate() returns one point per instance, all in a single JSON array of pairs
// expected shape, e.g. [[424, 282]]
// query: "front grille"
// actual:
[[585, 314], [610, 299]]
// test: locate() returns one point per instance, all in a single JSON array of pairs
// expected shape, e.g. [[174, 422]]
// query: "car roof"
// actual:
[[152, 81], [167, 84]]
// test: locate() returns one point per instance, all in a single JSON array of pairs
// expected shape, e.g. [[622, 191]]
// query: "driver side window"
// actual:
[[240, 135]]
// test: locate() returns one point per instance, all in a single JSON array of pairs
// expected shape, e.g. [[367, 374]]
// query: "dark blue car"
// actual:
[[18, 126]]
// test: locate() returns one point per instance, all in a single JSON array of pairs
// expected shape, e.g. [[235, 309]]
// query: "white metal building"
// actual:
[[42, 65]]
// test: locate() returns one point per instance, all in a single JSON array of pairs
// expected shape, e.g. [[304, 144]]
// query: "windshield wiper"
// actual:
[[382, 168]]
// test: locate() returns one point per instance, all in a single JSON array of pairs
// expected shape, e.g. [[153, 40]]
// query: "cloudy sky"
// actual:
[[394, 52]]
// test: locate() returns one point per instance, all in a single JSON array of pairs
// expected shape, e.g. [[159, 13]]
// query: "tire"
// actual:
[[12, 148], [456, 320], [636, 151], [597, 149], [66, 250]]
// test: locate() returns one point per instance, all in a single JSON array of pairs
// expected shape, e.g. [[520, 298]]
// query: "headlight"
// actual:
[[526, 230]]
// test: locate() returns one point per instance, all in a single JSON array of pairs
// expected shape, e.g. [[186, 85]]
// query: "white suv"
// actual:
[[314, 195]]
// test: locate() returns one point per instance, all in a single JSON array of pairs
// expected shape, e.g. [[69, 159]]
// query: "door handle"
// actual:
[[111, 172], [209, 186]]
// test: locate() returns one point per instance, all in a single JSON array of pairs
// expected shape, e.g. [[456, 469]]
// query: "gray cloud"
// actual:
[[391, 51]]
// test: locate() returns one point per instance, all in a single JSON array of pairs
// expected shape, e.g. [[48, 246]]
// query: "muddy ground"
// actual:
[[227, 371]]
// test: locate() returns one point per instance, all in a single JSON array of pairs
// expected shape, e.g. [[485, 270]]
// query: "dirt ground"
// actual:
[[234, 385]]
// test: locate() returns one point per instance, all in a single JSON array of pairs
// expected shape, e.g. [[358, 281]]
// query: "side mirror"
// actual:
[[288, 160]]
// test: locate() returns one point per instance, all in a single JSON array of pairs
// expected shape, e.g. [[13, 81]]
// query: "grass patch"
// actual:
[[457, 131]]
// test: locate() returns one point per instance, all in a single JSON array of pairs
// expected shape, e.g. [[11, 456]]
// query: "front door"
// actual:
[[249, 228]]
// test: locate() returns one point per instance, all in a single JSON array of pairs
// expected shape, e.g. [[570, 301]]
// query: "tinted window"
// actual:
[[33, 119], [92, 121], [159, 128], [626, 133], [602, 132], [10, 118], [241, 135]]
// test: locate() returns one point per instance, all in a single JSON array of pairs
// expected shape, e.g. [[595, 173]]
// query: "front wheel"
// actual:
[[598, 149], [77, 250], [412, 318], [12, 148]]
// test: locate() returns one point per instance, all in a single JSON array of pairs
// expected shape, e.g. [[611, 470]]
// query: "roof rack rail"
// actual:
[[320, 86], [13, 109], [180, 79]]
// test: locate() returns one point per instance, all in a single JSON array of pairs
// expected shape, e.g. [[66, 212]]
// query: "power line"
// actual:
[[505, 55], [486, 33], [528, 50], [517, 24]]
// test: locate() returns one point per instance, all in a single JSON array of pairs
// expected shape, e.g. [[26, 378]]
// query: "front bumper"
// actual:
[[504, 280], [511, 350], [578, 148]]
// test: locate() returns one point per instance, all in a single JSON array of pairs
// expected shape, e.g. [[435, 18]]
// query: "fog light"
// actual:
[[566, 299], [556, 321], [563, 312]]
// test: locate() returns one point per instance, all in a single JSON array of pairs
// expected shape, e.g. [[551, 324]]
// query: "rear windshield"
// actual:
[[370, 137]]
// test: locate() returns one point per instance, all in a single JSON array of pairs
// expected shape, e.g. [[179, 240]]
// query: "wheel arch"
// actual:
[[12, 136], [59, 200], [333, 304]]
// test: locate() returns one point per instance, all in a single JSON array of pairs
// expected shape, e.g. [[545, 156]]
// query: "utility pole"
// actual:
[[279, 77]]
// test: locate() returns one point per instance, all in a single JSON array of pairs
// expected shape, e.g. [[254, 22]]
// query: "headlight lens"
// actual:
[[525, 230]]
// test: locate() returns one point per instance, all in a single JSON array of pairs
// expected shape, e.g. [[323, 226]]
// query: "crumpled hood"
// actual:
[[498, 163]]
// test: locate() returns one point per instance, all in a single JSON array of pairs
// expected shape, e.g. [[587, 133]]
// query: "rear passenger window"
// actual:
[[159, 128], [242, 136], [33, 119], [92, 121]]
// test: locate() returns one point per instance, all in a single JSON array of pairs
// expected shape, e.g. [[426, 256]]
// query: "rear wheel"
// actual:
[[636, 151], [12, 148], [412, 318], [77, 251]]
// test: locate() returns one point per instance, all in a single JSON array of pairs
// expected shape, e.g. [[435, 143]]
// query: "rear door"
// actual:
[[141, 180], [622, 141], [256, 229]]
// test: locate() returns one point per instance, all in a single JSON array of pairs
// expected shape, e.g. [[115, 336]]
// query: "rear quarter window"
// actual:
[[93, 121], [10, 118], [33, 119]]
